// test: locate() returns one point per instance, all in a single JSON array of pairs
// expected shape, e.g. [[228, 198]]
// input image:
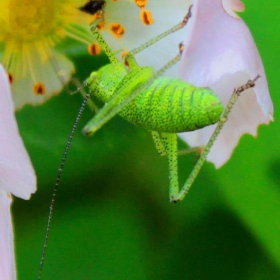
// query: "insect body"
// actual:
[[167, 105], [164, 106]]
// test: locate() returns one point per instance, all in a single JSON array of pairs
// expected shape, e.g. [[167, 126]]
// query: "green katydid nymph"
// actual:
[[162, 105]]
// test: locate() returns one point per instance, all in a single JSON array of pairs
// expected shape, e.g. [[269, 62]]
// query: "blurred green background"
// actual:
[[112, 217]]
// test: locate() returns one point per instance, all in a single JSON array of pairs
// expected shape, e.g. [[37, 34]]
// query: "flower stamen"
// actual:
[[117, 29], [39, 89], [146, 17]]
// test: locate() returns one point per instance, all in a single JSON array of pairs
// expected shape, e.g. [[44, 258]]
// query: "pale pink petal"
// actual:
[[16, 172], [7, 263], [220, 53], [230, 6]]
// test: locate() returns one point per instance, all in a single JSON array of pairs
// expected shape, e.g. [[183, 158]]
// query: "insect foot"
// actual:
[[249, 84], [187, 17]]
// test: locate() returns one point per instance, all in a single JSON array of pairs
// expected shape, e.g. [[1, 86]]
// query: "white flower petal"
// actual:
[[16, 172], [30, 35], [230, 6], [220, 53], [7, 263], [47, 74], [165, 15]]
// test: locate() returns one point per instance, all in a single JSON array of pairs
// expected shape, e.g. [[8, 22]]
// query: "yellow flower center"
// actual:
[[28, 21]]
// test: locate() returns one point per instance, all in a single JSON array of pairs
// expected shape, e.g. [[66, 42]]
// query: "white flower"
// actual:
[[16, 176], [7, 264], [30, 32], [220, 53], [164, 15]]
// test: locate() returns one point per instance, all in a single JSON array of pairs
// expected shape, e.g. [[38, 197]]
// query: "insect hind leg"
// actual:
[[169, 140], [236, 93], [159, 143]]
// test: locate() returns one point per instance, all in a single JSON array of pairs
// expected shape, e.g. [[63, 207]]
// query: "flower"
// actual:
[[7, 265], [220, 53], [142, 21], [16, 175], [30, 32]]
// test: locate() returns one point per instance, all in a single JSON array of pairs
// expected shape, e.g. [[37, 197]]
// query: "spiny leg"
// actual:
[[164, 34], [166, 145], [185, 189], [106, 48], [170, 143], [159, 143]]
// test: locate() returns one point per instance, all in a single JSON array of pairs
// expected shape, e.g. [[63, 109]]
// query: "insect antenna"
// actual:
[[55, 190]]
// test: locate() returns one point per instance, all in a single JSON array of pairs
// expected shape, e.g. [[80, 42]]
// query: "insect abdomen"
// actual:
[[172, 105]]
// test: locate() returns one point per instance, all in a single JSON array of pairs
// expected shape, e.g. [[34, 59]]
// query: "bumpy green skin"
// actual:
[[171, 105], [167, 105]]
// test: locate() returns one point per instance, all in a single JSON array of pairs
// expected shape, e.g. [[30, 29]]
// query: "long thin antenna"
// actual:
[[70, 138]]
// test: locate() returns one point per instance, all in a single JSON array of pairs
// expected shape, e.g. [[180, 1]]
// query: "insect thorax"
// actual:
[[104, 82]]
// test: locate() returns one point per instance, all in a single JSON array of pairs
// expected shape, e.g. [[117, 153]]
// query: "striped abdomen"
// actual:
[[172, 105]]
